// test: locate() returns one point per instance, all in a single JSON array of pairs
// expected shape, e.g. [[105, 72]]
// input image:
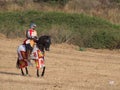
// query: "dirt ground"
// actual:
[[66, 69]]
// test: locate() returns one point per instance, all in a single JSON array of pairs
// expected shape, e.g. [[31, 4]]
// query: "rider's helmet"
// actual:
[[32, 25]]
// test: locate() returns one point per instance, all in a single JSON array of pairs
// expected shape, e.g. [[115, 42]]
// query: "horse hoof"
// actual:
[[42, 75], [38, 75], [27, 75], [23, 74]]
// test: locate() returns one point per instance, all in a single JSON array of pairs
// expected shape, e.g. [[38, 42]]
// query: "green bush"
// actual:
[[115, 1], [104, 39], [61, 2], [78, 29]]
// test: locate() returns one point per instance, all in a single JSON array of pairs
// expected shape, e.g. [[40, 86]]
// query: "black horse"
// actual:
[[43, 44]]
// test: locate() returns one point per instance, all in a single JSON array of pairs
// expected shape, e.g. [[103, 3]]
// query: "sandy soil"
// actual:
[[66, 69]]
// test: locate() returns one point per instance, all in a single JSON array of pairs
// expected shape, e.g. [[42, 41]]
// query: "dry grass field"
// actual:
[[106, 9], [66, 69]]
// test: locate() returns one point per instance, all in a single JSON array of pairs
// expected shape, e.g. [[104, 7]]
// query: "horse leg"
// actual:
[[43, 71], [38, 73], [26, 70], [22, 72]]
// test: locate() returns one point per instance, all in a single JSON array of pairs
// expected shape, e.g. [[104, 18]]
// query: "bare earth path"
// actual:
[[66, 69]]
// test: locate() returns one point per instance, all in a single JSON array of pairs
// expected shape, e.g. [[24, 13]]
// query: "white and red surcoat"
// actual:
[[31, 33], [36, 55]]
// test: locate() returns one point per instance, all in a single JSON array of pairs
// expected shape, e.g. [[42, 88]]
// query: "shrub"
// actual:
[[78, 29], [105, 39], [61, 2]]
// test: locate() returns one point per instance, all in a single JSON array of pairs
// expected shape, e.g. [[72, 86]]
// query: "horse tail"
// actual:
[[17, 64]]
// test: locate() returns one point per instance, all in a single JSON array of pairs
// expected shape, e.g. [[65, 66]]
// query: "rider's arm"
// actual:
[[29, 48]]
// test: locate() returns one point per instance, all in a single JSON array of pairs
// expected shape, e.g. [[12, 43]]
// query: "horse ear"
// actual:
[[49, 36], [37, 40], [40, 37]]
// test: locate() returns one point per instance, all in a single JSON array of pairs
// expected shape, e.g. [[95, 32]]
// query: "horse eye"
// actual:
[[47, 41]]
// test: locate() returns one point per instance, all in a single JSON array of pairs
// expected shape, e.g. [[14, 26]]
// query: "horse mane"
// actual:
[[44, 36], [41, 41]]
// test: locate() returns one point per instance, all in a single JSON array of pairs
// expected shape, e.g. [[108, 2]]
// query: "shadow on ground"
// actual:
[[9, 73]]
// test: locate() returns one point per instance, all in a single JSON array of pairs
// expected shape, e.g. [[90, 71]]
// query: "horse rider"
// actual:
[[30, 41]]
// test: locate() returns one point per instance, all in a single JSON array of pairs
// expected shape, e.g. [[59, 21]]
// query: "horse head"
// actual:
[[44, 43]]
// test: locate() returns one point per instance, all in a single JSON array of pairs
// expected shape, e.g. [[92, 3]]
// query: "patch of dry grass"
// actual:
[[100, 8], [97, 8]]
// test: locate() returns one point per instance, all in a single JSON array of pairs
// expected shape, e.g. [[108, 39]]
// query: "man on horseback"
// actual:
[[32, 49], [30, 41]]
